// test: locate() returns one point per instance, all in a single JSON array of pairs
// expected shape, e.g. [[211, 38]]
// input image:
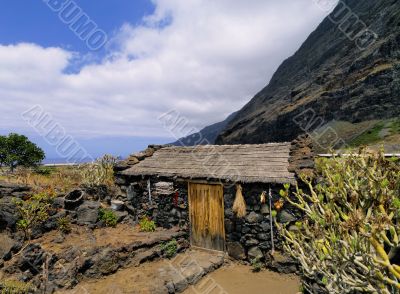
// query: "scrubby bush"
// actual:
[[15, 287], [43, 170], [348, 240], [64, 225], [147, 225], [33, 211], [108, 217], [170, 248]]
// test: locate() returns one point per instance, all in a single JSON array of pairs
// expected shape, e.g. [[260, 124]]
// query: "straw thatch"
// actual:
[[239, 205], [264, 163]]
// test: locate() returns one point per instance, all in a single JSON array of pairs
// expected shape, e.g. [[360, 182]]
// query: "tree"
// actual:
[[3, 150], [17, 150]]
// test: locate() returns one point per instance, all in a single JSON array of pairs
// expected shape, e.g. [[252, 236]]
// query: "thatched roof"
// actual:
[[264, 163]]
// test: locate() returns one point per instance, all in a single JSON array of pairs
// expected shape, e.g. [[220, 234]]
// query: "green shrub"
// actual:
[[147, 225], [64, 225], [256, 264], [170, 248], [108, 217], [15, 287], [43, 170], [33, 211], [350, 231]]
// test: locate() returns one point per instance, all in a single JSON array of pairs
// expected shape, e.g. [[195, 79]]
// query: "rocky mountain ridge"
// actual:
[[341, 83]]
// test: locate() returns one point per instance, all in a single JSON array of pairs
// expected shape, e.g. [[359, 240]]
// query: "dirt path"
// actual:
[[239, 279], [159, 277], [191, 268]]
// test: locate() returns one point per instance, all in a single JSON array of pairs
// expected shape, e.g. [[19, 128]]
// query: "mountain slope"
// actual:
[[329, 79], [207, 135]]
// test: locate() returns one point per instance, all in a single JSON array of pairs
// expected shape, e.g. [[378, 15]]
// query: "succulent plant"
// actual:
[[99, 172], [348, 240]]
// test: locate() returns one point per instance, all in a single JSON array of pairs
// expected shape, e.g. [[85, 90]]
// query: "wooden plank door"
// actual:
[[206, 210]]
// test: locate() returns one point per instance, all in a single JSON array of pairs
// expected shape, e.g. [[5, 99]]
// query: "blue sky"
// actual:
[[33, 22], [200, 59]]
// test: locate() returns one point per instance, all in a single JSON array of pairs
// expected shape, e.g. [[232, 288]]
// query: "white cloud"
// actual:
[[203, 58]]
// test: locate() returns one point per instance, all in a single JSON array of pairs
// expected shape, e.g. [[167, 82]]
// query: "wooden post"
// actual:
[[271, 220], [149, 190]]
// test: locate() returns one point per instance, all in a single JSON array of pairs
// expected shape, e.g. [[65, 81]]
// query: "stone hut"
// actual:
[[195, 188]]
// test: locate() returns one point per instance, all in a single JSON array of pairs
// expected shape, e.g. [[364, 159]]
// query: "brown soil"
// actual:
[[152, 277], [239, 279], [86, 238], [144, 279]]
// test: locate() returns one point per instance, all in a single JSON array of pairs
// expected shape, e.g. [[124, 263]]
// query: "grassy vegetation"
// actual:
[[377, 133], [256, 265], [170, 248], [15, 287], [395, 127], [147, 225], [368, 137], [64, 225], [60, 179], [64, 178], [108, 217]]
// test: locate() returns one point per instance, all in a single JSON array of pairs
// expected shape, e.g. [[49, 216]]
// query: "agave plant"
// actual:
[[348, 239]]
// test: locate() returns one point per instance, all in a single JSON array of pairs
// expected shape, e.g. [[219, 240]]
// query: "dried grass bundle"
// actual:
[[262, 197], [239, 205]]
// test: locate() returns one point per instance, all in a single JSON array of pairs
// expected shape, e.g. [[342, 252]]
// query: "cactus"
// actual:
[[348, 238], [99, 172]]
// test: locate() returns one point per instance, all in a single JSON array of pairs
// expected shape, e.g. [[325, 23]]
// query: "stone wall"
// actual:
[[168, 206], [302, 156], [250, 237]]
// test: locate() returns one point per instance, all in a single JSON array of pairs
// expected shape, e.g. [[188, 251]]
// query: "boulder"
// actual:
[[255, 252], [283, 263], [265, 227], [251, 242], [263, 236], [236, 250], [8, 214], [58, 203], [265, 245], [6, 244], [52, 222], [254, 218], [228, 213], [121, 215], [7, 220], [264, 209], [88, 212], [285, 217], [228, 226], [31, 259]]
